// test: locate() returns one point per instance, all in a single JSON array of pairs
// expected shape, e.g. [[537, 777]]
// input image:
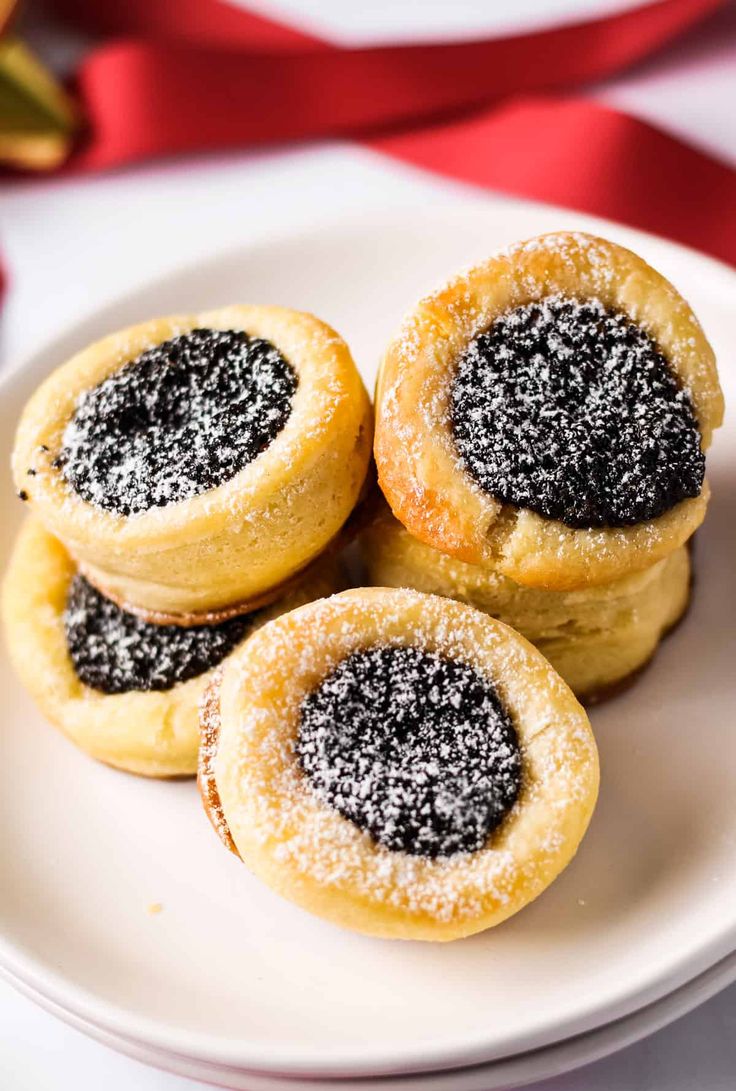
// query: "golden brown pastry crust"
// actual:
[[358, 519], [595, 637], [418, 466], [239, 542], [209, 728], [312, 855], [154, 734]]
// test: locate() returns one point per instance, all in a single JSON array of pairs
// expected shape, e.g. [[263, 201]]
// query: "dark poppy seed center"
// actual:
[[115, 652], [570, 410], [182, 418], [416, 749]]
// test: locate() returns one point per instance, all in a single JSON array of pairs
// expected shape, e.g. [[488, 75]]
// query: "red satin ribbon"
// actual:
[[581, 154], [200, 74], [148, 97], [201, 22]]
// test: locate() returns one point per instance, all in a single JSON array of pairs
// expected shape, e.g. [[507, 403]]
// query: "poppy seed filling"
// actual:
[[115, 652], [184, 417], [570, 410], [414, 748]]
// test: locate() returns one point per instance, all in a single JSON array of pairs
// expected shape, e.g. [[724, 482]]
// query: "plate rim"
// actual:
[[521, 1069], [31, 971]]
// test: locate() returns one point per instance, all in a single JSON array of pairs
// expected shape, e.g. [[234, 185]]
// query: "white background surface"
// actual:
[[69, 245]]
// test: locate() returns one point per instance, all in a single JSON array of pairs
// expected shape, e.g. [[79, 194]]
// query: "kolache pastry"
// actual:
[[597, 638], [546, 415], [397, 763], [123, 689], [194, 465]]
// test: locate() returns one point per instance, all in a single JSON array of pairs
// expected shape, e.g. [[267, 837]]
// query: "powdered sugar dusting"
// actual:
[[569, 409], [412, 747], [417, 457], [182, 418], [270, 804], [114, 651]]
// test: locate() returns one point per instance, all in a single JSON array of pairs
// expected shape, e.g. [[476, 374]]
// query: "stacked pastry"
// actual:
[[386, 757], [541, 427], [396, 762], [190, 479]]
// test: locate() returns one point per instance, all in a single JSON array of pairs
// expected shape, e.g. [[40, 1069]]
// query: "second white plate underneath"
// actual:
[[517, 1071]]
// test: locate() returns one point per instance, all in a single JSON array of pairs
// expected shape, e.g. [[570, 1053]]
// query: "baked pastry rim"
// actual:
[[621, 613], [350, 529], [418, 466], [50, 408], [150, 733], [256, 530], [269, 809]]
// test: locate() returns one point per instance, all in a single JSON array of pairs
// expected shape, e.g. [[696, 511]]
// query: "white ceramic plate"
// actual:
[[516, 1071], [228, 973]]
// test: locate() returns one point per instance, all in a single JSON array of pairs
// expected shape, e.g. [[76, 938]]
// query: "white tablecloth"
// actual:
[[72, 244]]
